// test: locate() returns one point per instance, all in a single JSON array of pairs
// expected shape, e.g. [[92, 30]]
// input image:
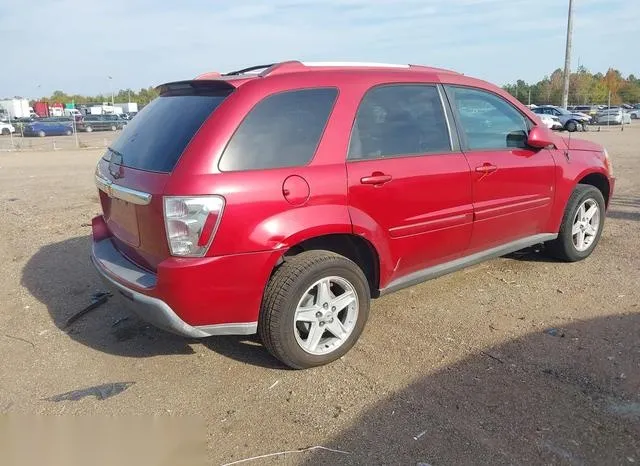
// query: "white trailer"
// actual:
[[16, 108], [105, 109], [128, 107]]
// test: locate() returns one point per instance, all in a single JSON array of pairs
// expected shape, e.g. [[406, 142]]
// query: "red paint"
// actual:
[[41, 109], [540, 137], [207, 229], [415, 211]]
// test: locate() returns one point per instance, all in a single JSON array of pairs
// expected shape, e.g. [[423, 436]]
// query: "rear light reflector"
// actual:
[[191, 223], [607, 162]]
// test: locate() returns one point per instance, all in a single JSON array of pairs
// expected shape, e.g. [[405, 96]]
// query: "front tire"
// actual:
[[581, 226], [88, 129], [314, 309], [41, 134], [571, 126]]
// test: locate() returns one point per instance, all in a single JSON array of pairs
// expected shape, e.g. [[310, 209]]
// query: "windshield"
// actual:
[[563, 111], [157, 136]]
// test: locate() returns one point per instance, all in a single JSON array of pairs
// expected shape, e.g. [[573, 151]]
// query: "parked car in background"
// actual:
[[590, 110], [48, 128], [6, 128], [91, 123], [282, 203], [635, 114], [613, 116], [551, 121], [571, 121]]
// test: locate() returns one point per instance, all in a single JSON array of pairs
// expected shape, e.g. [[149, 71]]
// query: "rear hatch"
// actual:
[[134, 170]]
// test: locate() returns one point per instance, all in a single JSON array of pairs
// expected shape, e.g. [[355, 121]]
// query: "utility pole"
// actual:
[[567, 58], [111, 88]]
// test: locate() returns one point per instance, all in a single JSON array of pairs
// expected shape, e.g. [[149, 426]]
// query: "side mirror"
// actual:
[[540, 138]]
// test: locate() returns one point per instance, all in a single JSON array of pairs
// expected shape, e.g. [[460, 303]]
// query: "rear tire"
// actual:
[[294, 294], [88, 129], [114, 128], [5, 131], [567, 246], [68, 132]]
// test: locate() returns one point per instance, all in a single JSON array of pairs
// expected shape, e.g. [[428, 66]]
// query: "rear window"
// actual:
[[158, 135], [283, 130]]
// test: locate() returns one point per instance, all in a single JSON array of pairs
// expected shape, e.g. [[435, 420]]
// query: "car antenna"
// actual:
[[566, 152]]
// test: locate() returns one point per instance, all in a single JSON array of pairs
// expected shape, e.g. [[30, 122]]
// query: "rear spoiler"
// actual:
[[197, 87]]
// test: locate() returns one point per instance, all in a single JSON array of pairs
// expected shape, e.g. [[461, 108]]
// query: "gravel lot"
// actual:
[[458, 370]]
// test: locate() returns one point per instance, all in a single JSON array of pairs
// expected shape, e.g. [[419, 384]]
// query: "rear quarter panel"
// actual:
[[257, 217]]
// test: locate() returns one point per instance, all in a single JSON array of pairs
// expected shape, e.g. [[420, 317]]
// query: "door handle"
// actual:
[[376, 178], [486, 168]]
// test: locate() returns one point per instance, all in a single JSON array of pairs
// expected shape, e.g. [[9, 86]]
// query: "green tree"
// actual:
[[584, 88], [630, 92], [613, 81]]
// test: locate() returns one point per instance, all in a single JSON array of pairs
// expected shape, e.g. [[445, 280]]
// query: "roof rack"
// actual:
[[248, 70], [295, 65], [358, 64]]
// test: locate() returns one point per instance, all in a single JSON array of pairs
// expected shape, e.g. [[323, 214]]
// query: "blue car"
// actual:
[[48, 128]]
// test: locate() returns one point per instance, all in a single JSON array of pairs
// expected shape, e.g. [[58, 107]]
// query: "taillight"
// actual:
[[191, 223]]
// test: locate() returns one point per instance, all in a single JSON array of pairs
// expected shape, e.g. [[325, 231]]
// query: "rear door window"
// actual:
[[156, 138], [282, 130], [398, 120]]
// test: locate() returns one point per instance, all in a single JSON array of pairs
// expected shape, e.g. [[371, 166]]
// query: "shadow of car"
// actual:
[[560, 396]]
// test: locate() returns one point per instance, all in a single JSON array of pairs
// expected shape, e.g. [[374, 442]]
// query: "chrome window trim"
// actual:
[[446, 116], [120, 192]]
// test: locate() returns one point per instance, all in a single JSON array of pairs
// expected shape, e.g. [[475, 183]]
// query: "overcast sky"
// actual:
[[73, 45]]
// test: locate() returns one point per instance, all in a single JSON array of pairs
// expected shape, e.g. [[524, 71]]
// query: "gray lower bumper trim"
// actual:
[[159, 314]]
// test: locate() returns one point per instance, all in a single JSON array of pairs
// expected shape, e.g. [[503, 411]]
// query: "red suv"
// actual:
[[280, 199]]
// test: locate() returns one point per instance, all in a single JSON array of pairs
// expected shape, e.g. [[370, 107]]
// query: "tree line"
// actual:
[[142, 97], [584, 88]]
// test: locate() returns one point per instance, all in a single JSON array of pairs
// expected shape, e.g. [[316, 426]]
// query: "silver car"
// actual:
[[571, 121], [613, 116], [550, 121]]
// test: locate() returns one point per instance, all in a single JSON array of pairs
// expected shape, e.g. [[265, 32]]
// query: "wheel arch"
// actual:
[[599, 181], [355, 248]]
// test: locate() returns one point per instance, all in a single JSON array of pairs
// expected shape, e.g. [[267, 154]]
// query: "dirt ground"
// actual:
[[459, 370]]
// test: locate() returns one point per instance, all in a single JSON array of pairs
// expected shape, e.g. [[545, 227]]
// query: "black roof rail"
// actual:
[[246, 70]]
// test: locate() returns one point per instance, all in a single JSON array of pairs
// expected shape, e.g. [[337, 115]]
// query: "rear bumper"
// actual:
[[181, 297], [159, 314]]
